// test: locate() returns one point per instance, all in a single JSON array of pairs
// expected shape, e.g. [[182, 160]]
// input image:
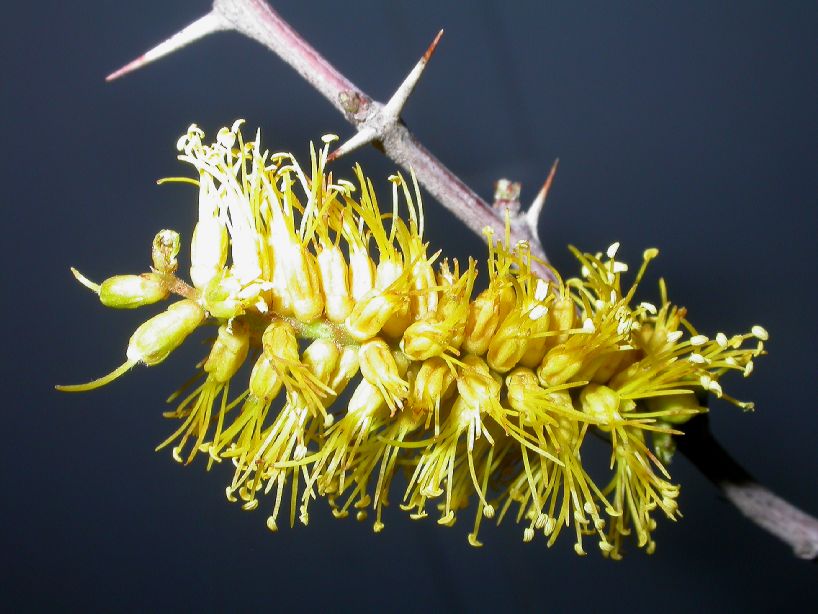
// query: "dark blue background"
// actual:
[[687, 126]]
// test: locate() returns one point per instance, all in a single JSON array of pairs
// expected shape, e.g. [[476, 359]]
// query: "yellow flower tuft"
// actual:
[[487, 399]]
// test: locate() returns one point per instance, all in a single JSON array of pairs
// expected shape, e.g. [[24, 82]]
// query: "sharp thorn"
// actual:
[[430, 51], [535, 210], [212, 22], [361, 138], [393, 108]]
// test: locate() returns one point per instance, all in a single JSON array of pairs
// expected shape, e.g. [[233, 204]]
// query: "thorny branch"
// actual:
[[380, 123], [376, 122]]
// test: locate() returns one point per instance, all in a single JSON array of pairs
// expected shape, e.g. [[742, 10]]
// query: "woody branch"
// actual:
[[380, 123]]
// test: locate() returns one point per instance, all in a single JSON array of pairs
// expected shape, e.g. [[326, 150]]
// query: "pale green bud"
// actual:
[[164, 251], [132, 291], [559, 365], [158, 337], [229, 351], [675, 408], [221, 296], [265, 382]]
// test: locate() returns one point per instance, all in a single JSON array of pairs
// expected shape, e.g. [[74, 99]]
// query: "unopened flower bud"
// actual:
[[506, 300], [371, 313], [508, 345], [475, 383], [433, 381], [366, 399], [601, 403], [424, 299], [398, 323], [675, 408], [303, 282], [559, 366], [361, 272], [164, 251], [321, 358], [520, 383], [563, 317], [424, 339], [482, 321], [229, 351], [348, 365], [131, 291], [221, 296], [265, 382], [279, 342], [335, 283], [158, 337], [378, 366]]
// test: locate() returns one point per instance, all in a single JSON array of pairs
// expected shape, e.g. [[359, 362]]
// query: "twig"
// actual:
[[756, 502], [376, 122], [380, 123]]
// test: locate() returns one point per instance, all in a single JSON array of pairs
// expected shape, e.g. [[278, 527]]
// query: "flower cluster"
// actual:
[[487, 397]]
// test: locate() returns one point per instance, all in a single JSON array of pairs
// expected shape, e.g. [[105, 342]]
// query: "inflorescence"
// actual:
[[488, 398]]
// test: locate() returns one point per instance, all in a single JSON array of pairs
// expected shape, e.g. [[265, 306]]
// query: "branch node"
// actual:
[[507, 196], [354, 105]]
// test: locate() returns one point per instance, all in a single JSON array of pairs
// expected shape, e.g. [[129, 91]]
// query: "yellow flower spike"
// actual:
[[284, 257]]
